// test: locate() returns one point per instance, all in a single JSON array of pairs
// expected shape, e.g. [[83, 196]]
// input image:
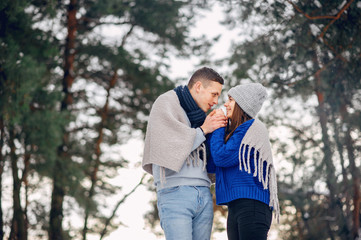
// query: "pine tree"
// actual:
[[47, 78], [29, 121], [308, 53]]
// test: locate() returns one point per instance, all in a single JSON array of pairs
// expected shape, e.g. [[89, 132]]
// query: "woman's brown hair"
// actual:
[[238, 117]]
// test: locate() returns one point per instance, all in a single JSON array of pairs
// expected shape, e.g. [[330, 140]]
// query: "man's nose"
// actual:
[[216, 100]]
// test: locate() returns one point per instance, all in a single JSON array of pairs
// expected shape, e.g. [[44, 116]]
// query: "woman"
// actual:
[[241, 158]]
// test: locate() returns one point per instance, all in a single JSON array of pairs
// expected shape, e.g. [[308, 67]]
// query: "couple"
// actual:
[[183, 144]]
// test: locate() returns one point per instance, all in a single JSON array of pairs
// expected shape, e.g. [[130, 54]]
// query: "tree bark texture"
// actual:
[[18, 230], [56, 212], [355, 172], [93, 176], [330, 168], [327, 152], [2, 135]]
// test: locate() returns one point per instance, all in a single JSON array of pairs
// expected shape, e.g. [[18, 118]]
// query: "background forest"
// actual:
[[78, 79]]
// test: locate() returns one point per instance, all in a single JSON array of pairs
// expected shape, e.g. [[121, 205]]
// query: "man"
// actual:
[[175, 154]]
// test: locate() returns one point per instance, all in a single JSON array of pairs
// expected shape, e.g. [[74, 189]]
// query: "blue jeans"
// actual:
[[186, 212]]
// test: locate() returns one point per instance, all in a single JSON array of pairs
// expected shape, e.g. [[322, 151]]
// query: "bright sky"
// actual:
[[206, 24]]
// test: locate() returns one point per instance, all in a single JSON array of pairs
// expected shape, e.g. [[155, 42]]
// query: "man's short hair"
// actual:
[[205, 75]]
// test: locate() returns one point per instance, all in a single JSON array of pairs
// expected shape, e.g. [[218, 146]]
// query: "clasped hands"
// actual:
[[214, 120]]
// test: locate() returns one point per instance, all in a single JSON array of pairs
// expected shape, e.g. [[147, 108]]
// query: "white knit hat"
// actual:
[[249, 97]]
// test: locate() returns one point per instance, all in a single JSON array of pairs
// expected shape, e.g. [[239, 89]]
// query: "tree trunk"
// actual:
[[354, 172], [93, 177], [327, 152], [345, 182], [24, 179], [298, 219], [69, 55], [2, 135], [56, 212], [356, 186], [327, 158], [18, 230]]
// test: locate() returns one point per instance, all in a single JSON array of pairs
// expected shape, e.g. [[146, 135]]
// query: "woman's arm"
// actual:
[[211, 167], [223, 155], [227, 154]]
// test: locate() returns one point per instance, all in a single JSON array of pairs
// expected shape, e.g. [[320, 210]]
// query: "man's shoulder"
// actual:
[[167, 102], [168, 94], [167, 97]]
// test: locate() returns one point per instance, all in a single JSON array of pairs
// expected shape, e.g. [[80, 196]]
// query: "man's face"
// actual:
[[206, 97]]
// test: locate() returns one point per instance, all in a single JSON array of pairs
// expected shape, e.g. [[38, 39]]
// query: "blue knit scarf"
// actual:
[[195, 114]]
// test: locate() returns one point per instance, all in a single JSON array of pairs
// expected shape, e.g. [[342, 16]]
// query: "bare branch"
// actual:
[[117, 206], [127, 35], [319, 17], [334, 18]]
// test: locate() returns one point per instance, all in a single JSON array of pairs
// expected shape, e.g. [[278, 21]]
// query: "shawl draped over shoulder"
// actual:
[[169, 139]]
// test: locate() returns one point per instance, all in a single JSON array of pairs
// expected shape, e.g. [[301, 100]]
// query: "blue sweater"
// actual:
[[231, 182]]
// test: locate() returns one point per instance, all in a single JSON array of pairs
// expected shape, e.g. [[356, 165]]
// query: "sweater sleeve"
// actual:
[[211, 167], [227, 154]]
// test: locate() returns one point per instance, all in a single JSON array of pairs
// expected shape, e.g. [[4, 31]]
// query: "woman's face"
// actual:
[[230, 106]]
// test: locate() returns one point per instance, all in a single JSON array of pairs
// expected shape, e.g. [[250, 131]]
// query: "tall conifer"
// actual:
[[308, 53]]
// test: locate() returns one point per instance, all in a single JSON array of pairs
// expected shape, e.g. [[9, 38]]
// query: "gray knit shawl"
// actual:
[[257, 138], [169, 139]]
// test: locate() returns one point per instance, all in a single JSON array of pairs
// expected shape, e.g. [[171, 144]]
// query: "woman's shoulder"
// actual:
[[242, 129], [244, 126]]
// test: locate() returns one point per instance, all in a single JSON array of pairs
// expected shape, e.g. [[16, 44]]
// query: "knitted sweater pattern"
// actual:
[[244, 165]]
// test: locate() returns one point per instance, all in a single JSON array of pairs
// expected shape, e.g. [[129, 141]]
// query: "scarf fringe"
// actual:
[[268, 180], [195, 156], [274, 196], [194, 159], [162, 176], [257, 138], [244, 162]]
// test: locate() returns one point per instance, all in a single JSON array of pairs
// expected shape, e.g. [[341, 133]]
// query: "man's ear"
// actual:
[[197, 86]]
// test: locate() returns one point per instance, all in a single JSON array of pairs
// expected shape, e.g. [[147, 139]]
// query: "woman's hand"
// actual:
[[218, 112], [213, 121]]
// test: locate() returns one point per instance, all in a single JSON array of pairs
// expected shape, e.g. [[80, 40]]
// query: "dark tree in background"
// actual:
[[30, 123], [68, 94], [78, 78], [309, 54]]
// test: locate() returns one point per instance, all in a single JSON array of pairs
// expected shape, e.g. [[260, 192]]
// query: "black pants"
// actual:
[[248, 219]]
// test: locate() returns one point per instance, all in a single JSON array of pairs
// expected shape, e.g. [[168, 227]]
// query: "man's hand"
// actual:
[[213, 121]]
